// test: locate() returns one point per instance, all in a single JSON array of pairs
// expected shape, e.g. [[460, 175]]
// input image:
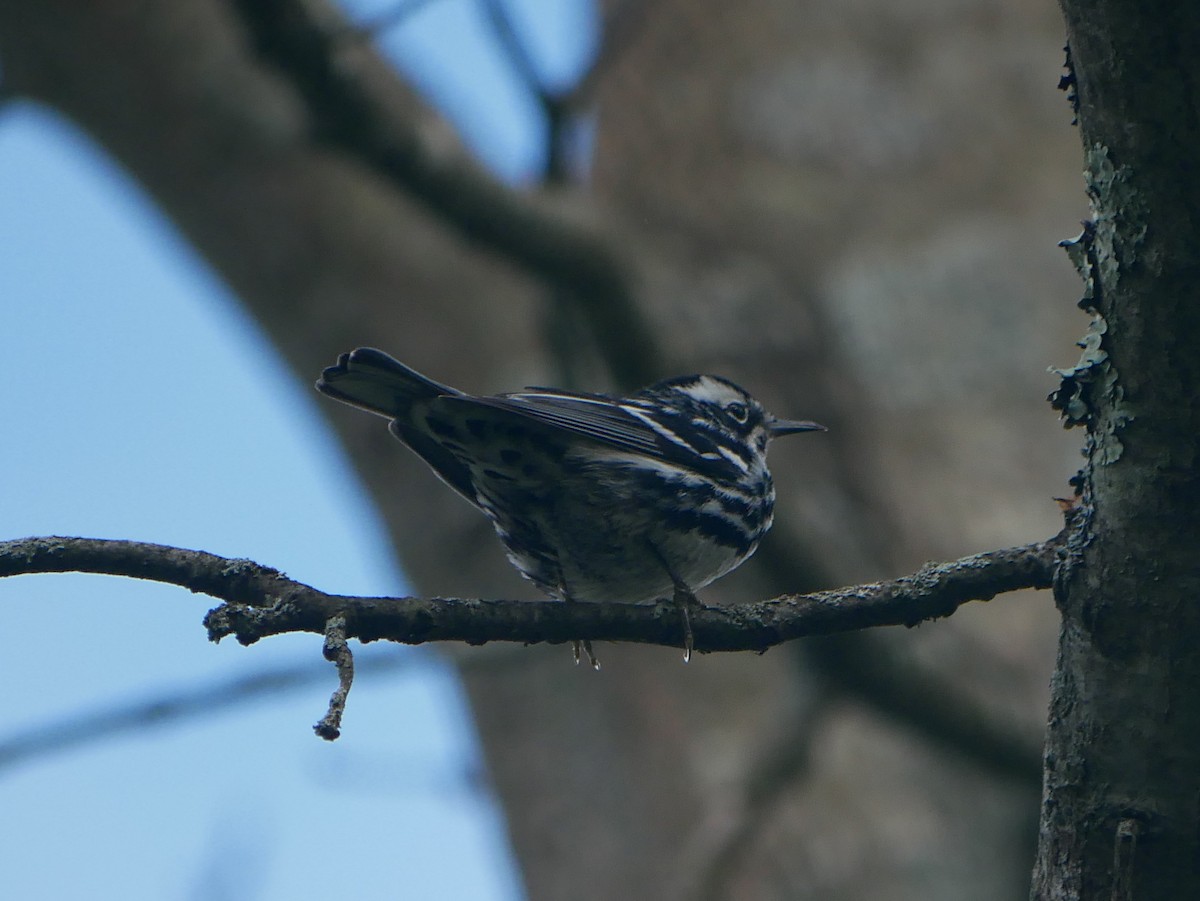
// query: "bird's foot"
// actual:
[[685, 599], [585, 647]]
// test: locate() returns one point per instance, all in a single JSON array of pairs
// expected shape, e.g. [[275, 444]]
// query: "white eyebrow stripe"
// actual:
[[708, 390]]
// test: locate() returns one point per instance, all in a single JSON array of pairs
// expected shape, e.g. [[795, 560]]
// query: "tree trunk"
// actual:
[[1121, 809]]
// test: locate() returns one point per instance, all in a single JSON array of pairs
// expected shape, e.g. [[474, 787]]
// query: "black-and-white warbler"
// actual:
[[596, 498]]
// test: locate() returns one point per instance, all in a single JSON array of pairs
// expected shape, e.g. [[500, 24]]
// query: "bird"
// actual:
[[595, 497]]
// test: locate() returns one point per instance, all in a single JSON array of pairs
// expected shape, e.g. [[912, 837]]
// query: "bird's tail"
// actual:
[[372, 380]]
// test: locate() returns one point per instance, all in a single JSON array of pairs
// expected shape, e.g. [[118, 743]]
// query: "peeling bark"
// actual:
[[1121, 803]]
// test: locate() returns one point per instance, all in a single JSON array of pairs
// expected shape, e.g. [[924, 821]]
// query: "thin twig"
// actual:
[[261, 601], [560, 120], [338, 652], [514, 47]]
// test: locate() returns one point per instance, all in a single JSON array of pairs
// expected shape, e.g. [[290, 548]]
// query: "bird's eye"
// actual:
[[738, 411]]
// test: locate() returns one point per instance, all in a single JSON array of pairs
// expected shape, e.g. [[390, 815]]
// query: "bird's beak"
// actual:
[[779, 427]]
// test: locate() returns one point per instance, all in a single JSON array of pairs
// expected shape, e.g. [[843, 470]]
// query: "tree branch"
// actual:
[[305, 42], [261, 601]]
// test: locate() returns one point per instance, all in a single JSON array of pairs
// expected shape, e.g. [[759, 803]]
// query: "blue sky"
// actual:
[[141, 403]]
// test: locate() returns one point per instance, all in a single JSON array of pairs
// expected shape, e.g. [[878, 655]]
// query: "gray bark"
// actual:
[[1122, 764]]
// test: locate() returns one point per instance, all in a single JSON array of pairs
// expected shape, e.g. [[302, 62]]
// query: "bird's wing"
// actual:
[[617, 424], [599, 418]]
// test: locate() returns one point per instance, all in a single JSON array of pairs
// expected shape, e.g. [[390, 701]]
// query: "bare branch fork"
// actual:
[[543, 235], [260, 601]]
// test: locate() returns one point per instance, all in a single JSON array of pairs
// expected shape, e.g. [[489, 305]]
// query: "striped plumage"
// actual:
[[596, 498]]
